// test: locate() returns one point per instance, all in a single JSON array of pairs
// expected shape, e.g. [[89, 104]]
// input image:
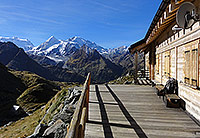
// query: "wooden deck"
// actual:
[[131, 111]]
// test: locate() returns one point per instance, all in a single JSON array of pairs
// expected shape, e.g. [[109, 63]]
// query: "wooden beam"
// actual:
[[174, 10], [149, 70], [198, 64], [136, 67], [138, 48], [169, 17]]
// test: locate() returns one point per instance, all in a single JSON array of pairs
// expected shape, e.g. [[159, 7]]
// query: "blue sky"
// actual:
[[109, 23]]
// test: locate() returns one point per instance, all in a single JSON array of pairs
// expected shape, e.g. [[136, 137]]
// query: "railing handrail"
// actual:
[[77, 126]]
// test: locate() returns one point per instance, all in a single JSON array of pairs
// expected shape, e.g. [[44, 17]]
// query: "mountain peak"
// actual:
[[50, 42], [61, 50], [52, 39], [76, 37]]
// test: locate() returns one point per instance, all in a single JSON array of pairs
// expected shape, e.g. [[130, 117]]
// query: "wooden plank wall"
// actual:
[[177, 69], [180, 64], [173, 63]]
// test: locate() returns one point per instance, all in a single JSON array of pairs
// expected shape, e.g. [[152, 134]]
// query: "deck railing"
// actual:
[[143, 74], [76, 129]]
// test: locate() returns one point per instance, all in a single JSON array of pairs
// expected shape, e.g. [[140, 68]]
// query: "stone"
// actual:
[[127, 82], [55, 128], [73, 97], [68, 109], [39, 130]]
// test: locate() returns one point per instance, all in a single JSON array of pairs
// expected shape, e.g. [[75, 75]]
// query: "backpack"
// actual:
[[171, 87]]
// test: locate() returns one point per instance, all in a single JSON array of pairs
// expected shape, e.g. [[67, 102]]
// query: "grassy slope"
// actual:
[[26, 127], [39, 90]]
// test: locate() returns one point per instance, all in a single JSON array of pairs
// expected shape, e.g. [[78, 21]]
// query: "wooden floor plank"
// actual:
[[131, 111]]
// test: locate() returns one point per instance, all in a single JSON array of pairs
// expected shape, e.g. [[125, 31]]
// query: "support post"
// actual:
[[161, 68], [198, 62], [153, 71], [149, 71], [176, 54], [144, 75], [153, 62], [136, 68]]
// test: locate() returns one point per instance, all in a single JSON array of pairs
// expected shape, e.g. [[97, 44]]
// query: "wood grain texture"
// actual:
[[131, 111]]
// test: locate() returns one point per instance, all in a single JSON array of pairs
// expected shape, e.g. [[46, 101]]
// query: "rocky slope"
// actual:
[[49, 121], [65, 75], [42, 60], [121, 56], [15, 58], [89, 60]]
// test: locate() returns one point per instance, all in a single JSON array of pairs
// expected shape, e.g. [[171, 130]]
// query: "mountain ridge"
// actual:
[[55, 52], [61, 50], [101, 69], [15, 58]]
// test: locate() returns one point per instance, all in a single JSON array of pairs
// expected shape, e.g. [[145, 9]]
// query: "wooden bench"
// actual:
[[172, 100]]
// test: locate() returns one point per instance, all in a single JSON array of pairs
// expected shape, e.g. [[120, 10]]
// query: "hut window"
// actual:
[[167, 64], [157, 64]]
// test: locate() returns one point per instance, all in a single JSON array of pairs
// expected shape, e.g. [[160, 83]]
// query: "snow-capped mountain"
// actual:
[[22, 43], [44, 46], [61, 50], [119, 50], [80, 41], [78, 55]]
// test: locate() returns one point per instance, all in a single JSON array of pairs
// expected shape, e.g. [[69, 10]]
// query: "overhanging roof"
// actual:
[[145, 42], [156, 18], [134, 46]]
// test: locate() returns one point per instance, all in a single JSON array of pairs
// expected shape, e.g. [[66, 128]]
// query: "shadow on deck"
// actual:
[[134, 111]]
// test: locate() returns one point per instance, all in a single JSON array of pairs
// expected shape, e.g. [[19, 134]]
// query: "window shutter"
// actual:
[[157, 64], [187, 67], [167, 63], [194, 67]]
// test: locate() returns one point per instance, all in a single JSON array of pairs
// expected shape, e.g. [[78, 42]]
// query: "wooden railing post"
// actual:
[[82, 124], [87, 97]]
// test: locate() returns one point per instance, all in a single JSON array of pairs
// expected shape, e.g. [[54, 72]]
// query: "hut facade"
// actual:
[[174, 53]]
